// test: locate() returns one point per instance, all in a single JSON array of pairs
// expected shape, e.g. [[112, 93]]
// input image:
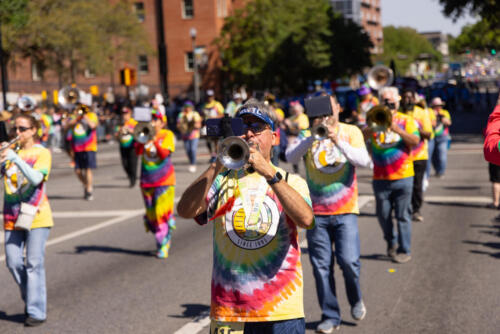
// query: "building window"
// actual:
[[143, 64], [189, 61], [35, 72], [187, 9], [139, 11], [221, 8]]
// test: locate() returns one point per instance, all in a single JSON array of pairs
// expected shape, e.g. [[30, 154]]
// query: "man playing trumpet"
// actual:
[[331, 160], [393, 174], [257, 272], [126, 141]]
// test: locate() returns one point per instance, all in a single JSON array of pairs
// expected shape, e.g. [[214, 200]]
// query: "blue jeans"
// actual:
[[30, 277], [292, 326], [342, 230], [430, 148], [440, 154], [395, 195], [191, 146]]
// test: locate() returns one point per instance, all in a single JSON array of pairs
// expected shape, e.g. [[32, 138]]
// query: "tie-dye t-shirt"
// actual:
[[127, 140], [421, 116], [17, 189], [156, 171], [391, 156], [83, 138], [257, 271], [331, 178], [441, 130], [46, 127]]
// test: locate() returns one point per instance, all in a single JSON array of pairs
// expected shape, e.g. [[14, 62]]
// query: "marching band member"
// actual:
[[189, 125], [257, 273], [158, 183], [438, 154], [492, 141], [212, 109], [393, 175], [126, 141], [82, 136], [420, 152], [331, 163], [25, 174], [367, 102]]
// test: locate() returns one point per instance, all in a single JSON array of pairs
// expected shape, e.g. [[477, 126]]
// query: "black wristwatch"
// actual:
[[276, 178]]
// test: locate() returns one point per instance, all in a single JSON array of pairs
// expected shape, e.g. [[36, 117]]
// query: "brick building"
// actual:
[[180, 16], [367, 14]]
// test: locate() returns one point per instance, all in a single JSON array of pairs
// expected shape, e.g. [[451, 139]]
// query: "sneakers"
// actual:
[[192, 168], [88, 196], [163, 251], [391, 252], [417, 217], [32, 322], [358, 311], [402, 258], [327, 326]]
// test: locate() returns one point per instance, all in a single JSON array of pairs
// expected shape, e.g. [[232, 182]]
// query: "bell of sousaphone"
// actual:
[[379, 76], [26, 103]]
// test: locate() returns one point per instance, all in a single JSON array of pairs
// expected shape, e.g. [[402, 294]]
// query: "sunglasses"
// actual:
[[20, 128], [256, 127]]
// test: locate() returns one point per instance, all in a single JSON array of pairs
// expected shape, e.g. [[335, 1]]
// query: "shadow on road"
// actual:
[[107, 249], [58, 197], [376, 257], [111, 186], [19, 318], [461, 204], [193, 311], [462, 187], [495, 246], [313, 324]]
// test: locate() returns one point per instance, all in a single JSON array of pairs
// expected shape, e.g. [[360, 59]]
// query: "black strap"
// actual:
[[286, 177]]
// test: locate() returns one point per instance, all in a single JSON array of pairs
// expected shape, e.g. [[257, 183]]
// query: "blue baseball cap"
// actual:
[[257, 113]]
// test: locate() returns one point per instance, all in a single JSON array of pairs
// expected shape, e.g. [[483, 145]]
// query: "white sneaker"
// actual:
[[425, 184], [192, 168]]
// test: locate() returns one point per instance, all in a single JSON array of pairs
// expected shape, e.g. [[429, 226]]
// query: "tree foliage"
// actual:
[[404, 45], [479, 36], [70, 36], [287, 43], [487, 9]]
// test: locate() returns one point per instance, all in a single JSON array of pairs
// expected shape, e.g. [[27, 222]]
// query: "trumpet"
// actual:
[[8, 144], [379, 76], [320, 131], [234, 152], [379, 118], [143, 132]]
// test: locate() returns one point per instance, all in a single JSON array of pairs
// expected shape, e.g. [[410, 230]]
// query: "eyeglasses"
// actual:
[[256, 127], [20, 128]]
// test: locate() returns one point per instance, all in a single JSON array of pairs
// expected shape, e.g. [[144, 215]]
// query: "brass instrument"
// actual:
[[143, 132], [8, 144], [379, 118], [69, 96], [234, 152], [26, 103], [379, 76], [320, 131]]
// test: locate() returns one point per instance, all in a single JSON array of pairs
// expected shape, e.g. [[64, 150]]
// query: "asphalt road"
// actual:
[[102, 276]]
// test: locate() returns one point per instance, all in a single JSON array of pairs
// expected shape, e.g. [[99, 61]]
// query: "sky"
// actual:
[[422, 15]]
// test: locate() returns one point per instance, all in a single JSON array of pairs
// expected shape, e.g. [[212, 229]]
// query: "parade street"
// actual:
[[103, 277]]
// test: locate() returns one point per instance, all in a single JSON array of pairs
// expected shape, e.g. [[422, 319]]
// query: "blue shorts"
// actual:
[[85, 160]]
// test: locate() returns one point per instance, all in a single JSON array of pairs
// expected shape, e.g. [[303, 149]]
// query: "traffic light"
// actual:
[[127, 76], [493, 51]]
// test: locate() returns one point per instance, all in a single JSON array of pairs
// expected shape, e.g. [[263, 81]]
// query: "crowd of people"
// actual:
[[256, 211]]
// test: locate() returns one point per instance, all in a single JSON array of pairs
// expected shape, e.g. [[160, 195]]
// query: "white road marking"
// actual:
[[194, 326]]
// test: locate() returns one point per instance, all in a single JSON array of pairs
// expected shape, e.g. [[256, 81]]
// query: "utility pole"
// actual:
[[196, 76], [3, 70], [162, 49]]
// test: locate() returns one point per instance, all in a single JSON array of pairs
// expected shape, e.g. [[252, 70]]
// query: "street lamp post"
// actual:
[[196, 83]]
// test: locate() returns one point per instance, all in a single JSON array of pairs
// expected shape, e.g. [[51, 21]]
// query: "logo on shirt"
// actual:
[[387, 139], [327, 157], [252, 231]]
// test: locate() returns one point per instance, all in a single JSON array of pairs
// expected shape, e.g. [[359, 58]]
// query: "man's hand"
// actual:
[[260, 164]]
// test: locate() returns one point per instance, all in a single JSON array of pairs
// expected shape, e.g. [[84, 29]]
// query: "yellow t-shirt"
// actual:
[[421, 116], [17, 189], [257, 270]]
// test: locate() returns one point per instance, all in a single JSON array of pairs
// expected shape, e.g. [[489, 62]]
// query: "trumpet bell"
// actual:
[[379, 76], [143, 132], [379, 118], [319, 132], [234, 152]]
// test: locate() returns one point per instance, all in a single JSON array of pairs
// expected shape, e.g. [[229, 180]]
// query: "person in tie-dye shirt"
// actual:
[[158, 183], [83, 138], [25, 174], [419, 152], [257, 272], [393, 175], [126, 141], [331, 176], [438, 154], [189, 125]]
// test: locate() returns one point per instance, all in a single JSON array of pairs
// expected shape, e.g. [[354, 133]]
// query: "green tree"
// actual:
[[479, 37], [70, 36], [405, 45], [487, 9], [276, 43]]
